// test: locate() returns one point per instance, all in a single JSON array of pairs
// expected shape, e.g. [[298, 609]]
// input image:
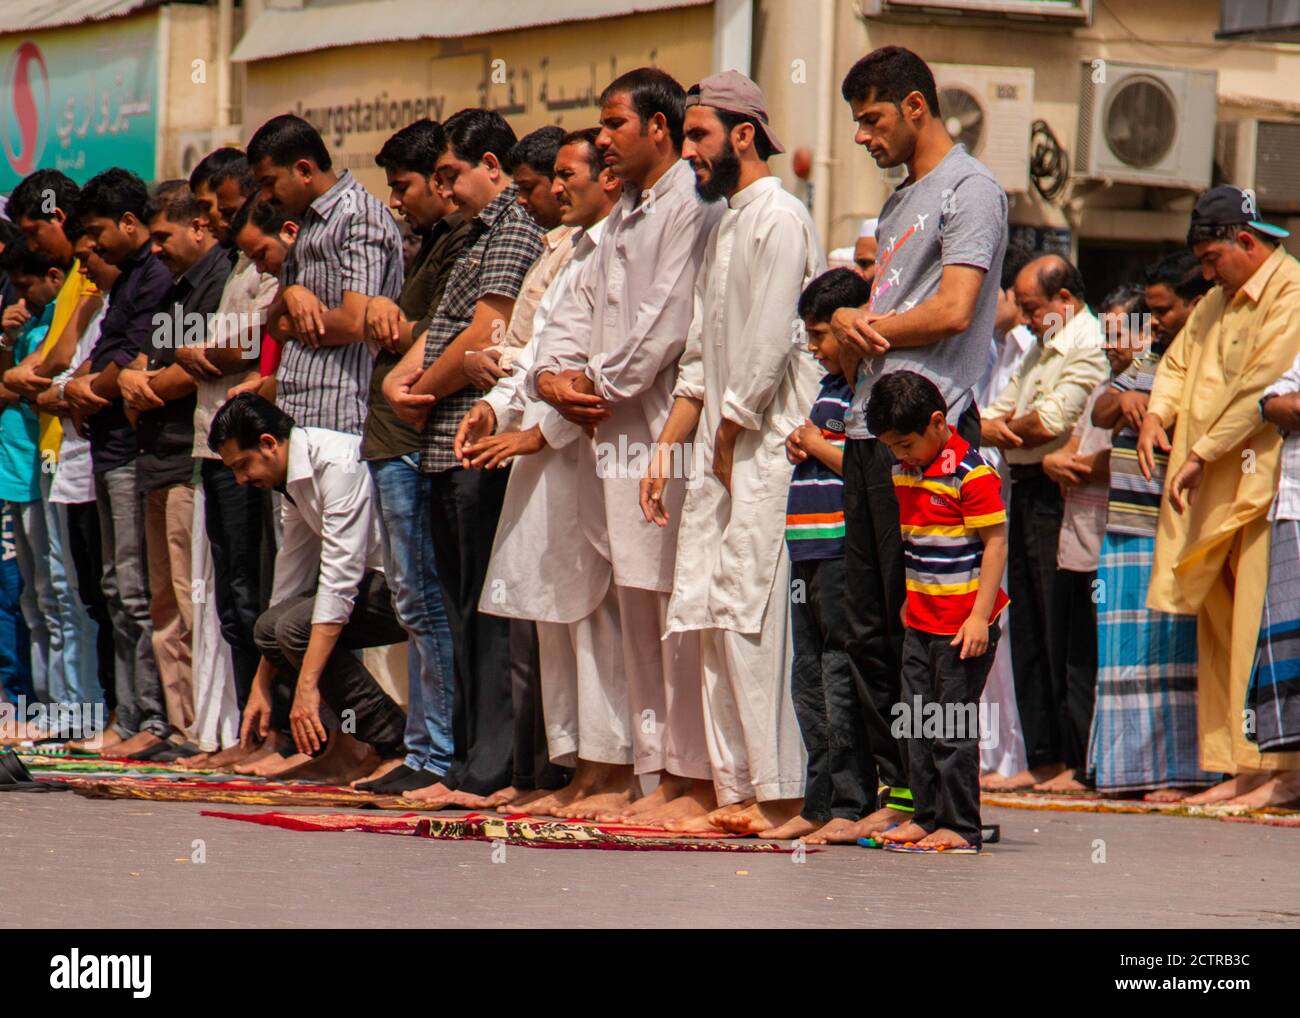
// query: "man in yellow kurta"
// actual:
[[1211, 554]]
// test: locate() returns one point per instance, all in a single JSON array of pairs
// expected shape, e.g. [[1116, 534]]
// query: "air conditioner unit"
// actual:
[[1145, 125], [990, 110], [1262, 155], [191, 146]]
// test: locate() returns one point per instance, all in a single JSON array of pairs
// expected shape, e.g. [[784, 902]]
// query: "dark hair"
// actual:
[[267, 216], [237, 170], [173, 200], [246, 418], [286, 139], [1181, 272], [28, 200], [731, 120], [114, 193], [903, 402], [19, 259], [1129, 298], [10, 236], [838, 288], [537, 150], [889, 75], [1204, 232], [587, 136], [652, 91], [1057, 274], [1016, 258], [473, 133], [413, 149], [213, 163]]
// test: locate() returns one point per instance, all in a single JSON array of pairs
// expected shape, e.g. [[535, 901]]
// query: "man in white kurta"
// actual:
[[544, 569], [614, 349], [743, 385]]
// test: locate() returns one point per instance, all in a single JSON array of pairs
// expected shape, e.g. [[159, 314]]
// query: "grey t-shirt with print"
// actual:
[[955, 215]]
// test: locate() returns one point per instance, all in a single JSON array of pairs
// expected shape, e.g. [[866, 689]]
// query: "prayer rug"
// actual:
[[520, 829], [1082, 803]]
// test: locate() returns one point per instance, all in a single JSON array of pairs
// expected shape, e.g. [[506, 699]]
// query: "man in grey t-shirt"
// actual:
[[941, 238]]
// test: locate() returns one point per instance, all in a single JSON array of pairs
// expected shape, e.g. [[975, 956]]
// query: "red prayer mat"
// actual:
[[519, 829]]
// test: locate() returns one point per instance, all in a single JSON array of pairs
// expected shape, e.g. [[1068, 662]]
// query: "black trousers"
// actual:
[[876, 583], [466, 506], [942, 694], [1074, 663], [825, 701], [235, 515], [1035, 529], [532, 759], [283, 631], [85, 549]]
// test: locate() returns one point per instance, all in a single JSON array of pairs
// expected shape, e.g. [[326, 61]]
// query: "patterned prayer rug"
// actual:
[[521, 830], [1084, 803]]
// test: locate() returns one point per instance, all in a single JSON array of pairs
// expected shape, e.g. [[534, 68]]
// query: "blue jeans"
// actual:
[[79, 675], [403, 494], [15, 642]]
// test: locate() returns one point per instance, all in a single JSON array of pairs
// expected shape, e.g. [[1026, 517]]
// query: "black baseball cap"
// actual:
[[1226, 205]]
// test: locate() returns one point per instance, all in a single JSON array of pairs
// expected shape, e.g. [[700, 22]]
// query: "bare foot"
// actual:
[[523, 802], [870, 826], [1025, 779], [598, 804], [1066, 781], [104, 743], [137, 742], [519, 800], [274, 764], [903, 833], [1281, 790], [705, 823], [503, 797], [761, 816], [384, 767], [230, 756], [944, 839], [695, 800], [344, 759], [670, 787], [793, 829], [1166, 795], [988, 779], [429, 794], [1246, 781], [267, 758], [836, 831]]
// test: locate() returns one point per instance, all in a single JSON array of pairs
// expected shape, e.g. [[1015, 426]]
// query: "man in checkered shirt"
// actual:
[[429, 388]]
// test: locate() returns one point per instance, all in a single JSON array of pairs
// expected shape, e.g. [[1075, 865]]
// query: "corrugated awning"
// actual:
[[34, 15], [279, 32]]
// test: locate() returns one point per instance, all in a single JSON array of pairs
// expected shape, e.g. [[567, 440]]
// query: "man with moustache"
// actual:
[[608, 363], [742, 386], [536, 554]]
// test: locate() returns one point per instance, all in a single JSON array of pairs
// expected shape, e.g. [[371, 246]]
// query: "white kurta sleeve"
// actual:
[[662, 320], [690, 369], [769, 329], [347, 521]]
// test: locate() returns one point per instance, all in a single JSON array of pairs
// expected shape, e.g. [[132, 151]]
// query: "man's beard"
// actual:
[[723, 177]]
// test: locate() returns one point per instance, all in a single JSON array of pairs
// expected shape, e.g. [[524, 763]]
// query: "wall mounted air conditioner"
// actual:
[[190, 147], [1145, 125], [990, 110], [1262, 155]]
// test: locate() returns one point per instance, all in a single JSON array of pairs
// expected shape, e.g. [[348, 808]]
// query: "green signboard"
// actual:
[[79, 100]]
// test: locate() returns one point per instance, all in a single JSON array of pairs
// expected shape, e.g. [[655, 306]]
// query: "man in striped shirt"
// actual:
[[348, 250], [954, 529]]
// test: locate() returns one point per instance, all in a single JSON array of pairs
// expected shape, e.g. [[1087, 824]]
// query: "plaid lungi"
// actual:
[[1274, 693], [1144, 725]]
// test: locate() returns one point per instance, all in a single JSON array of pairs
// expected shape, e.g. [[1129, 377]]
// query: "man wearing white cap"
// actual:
[[743, 385]]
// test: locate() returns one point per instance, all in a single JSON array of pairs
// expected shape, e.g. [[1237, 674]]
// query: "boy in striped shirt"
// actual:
[[836, 790], [954, 531]]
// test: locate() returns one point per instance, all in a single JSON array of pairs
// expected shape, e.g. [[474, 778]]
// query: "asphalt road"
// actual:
[[66, 861]]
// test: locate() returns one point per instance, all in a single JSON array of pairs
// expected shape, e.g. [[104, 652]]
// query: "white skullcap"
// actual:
[[868, 228], [840, 258]]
